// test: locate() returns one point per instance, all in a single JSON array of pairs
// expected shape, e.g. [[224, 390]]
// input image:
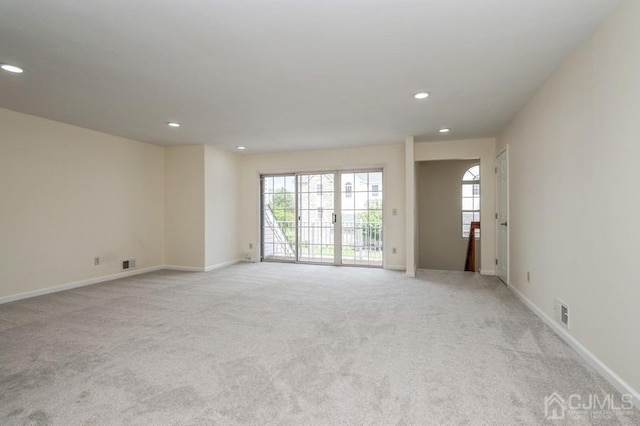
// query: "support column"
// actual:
[[410, 226]]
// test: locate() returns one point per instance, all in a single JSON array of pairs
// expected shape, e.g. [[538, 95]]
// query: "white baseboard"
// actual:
[[184, 268], [395, 267], [201, 269], [621, 385], [222, 265], [96, 280], [76, 284], [487, 272]]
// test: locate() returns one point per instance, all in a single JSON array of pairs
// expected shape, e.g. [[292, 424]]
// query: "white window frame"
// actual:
[[471, 183]]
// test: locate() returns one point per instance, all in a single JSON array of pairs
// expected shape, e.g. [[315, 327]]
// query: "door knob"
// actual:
[[504, 224]]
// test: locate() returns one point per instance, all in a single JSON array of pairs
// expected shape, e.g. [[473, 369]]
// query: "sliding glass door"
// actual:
[[278, 217], [361, 212], [300, 220], [316, 218]]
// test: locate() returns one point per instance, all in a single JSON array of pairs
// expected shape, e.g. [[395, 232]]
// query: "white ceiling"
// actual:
[[288, 74]]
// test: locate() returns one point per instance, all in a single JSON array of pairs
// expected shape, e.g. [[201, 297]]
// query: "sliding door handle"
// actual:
[[335, 218]]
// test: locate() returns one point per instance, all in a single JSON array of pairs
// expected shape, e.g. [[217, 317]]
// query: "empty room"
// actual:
[[319, 213]]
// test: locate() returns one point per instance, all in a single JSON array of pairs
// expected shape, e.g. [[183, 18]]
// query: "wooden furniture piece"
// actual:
[[470, 262]]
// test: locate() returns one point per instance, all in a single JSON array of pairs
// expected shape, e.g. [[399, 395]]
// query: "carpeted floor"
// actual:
[[286, 344]]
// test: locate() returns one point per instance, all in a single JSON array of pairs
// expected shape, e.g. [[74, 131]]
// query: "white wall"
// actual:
[[184, 233], [389, 157], [411, 217], [222, 206], [574, 155], [485, 150], [68, 194]]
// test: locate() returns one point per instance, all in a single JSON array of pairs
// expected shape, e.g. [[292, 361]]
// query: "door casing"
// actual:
[[502, 215]]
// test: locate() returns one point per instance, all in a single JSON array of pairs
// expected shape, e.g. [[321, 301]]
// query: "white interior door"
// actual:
[[502, 216]]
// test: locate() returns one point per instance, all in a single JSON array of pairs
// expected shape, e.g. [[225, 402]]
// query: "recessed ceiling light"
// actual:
[[445, 130], [241, 147], [421, 95], [173, 124], [12, 68]]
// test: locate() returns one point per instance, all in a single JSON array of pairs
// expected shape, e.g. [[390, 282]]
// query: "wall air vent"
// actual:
[[561, 311], [128, 264]]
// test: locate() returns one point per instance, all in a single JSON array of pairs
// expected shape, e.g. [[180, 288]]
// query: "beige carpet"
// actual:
[[286, 344]]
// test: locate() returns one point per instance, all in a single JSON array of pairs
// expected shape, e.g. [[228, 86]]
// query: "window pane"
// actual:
[[473, 173], [375, 178], [467, 218], [348, 219], [361, 200], [267, 199], [348, 236], [360, 217], [304, 201], [348, 188], [467, 204], [346, 177], [327, 200], [304, 250], [278, 184], [327, 183], [304, 216], [268, 184], [348, 254], [348, 201], [290, 183], [361, 182], [470, 198]]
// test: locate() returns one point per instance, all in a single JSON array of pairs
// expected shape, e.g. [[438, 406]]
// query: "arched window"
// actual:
[[347, 189], [470, 199]]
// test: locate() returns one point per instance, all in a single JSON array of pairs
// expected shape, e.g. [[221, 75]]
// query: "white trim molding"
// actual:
[[222, 265], [184, 268], [96, 280], [200, 268], [621, 385], [395, 267], [487, 272], [76, 284]]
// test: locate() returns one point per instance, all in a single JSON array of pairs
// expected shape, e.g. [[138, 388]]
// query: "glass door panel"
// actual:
[[361, 213], [316, 219], [278, 215]]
